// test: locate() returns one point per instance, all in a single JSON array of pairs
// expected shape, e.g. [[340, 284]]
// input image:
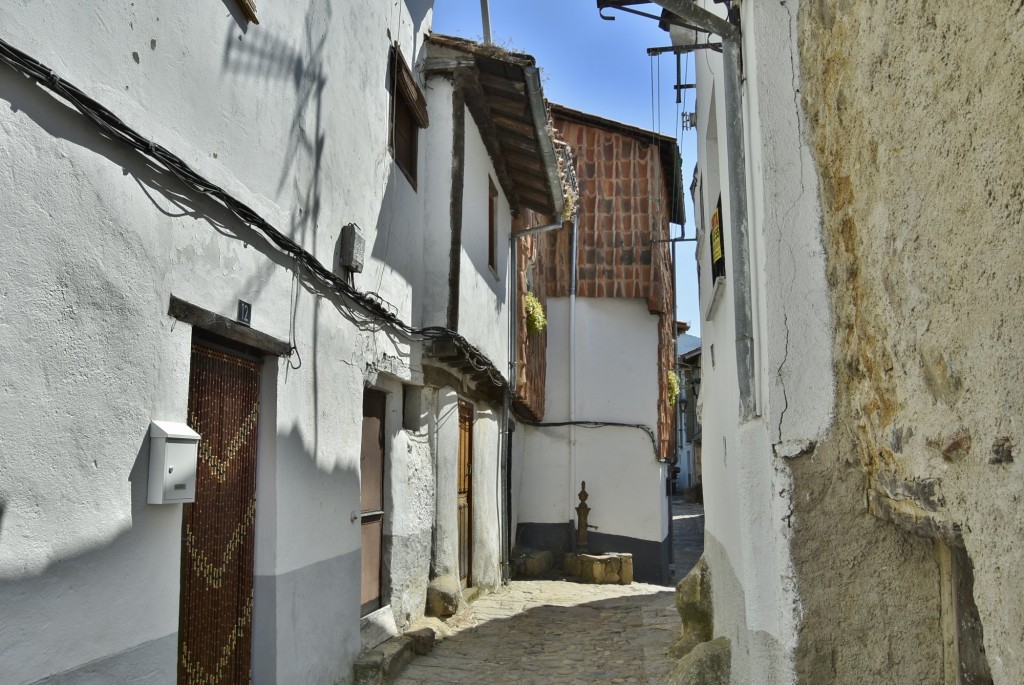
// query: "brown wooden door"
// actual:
[[465, 498], [215, 616], [371, 497]]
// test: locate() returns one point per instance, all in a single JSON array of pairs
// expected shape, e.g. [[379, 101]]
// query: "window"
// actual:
[[408, 114], [492, 229], [717, 243]]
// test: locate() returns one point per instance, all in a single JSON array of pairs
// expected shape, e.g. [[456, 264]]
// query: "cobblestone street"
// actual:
[[546, 631]]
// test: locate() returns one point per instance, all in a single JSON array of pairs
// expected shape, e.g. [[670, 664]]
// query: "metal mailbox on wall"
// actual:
[[173, 452]]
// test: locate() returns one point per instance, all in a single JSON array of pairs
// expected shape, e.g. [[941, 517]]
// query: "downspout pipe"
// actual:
[[572, 367], [732, 64]]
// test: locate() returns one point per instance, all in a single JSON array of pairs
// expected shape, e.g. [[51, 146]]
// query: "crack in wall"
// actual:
[[784, 246]]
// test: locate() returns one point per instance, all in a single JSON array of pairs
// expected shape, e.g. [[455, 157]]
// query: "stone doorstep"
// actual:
[[382, 664], [470, 594]]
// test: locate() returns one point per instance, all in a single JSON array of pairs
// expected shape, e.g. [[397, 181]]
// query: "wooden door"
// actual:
[[215, 615], [465, 496], [371, 498]]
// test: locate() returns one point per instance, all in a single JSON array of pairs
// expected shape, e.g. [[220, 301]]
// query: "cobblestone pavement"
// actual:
[[556, 631], [687, 536]]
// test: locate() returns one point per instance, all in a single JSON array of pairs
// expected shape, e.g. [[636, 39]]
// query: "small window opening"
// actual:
[[492, 229], [408, 114]]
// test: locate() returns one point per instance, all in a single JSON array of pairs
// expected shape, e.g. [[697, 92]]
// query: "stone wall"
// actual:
[[914, 119]]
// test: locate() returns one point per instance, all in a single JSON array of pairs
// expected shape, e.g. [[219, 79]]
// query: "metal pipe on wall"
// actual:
[[485, 15], [572, 366]]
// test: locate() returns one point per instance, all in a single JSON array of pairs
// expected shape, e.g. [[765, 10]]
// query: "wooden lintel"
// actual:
[[435, 65]]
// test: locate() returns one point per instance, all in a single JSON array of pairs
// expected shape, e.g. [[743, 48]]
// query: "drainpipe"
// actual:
[[572, 368], [697, 16]]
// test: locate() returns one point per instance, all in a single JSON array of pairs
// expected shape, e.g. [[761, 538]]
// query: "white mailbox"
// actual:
[[173, 451]]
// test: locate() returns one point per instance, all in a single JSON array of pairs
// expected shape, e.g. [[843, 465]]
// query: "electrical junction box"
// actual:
[[173, 453], [351, 248]]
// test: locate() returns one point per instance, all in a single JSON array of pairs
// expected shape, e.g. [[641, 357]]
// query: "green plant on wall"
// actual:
[[672, 380], [535, 319]]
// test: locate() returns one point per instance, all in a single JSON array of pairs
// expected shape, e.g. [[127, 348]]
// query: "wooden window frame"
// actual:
[[492, 226], [407, 114]]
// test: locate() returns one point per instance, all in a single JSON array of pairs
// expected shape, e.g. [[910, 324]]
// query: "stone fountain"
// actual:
[[610, 568]]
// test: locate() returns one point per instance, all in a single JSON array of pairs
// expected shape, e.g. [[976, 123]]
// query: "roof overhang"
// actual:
[[504, 96]]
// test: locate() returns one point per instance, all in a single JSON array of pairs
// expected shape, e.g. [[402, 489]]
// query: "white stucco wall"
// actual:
[[290, 117], [437, 227], [616, 380], [746, 485], [483, 293]]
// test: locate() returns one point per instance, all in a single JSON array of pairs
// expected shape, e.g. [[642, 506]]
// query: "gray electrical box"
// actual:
[[351, 248], [173, 455]]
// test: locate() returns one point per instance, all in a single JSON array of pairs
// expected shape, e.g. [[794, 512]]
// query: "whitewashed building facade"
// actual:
[[197, 261]]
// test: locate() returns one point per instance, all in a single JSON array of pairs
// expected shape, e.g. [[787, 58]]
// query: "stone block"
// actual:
[[444, 594], [422, 640], [383, 664], [709, 663], [693, 602], [626, 572], [530, 563], [571, 565]]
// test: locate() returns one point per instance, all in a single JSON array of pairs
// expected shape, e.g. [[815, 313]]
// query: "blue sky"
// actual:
[[600, 67]]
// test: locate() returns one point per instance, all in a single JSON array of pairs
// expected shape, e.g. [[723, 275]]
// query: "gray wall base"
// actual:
[[151, 663], [650, 558]]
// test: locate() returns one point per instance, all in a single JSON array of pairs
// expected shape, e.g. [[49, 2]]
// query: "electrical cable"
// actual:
[[363, 308], [602, 424]]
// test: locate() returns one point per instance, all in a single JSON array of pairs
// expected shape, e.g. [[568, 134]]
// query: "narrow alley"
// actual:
[[536, 631]]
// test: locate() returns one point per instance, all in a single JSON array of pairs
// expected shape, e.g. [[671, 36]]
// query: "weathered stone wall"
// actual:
[[914, 113]]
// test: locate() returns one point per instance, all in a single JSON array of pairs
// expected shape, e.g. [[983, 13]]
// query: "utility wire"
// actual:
[[364, 308], [603, 424]]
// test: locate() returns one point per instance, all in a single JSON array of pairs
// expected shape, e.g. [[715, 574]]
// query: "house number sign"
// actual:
[[244, 313]]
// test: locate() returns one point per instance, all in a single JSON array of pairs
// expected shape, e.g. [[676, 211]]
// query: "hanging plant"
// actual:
[[672, 380], [535, 319]]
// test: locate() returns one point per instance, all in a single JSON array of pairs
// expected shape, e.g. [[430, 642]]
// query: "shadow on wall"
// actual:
[[126, 572], [236, 13]]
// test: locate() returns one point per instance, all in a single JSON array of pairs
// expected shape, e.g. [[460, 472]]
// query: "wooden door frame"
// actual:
[[376, 514], [466, 411], [244, 353]]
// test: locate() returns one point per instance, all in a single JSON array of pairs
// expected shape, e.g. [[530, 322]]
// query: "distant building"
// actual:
[[608, 350], [688, 430]]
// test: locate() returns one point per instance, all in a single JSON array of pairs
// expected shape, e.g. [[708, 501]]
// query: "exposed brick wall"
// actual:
[[531, 348], [624, 205]]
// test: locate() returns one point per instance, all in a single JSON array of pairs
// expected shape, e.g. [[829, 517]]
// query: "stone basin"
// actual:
[[609, 568]]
